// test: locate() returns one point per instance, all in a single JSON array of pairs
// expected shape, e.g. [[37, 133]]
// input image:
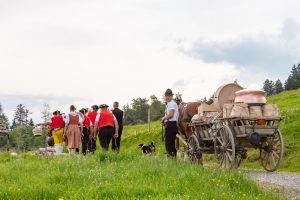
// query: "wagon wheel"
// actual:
[[193, 150], [271, 152], [225, 148]]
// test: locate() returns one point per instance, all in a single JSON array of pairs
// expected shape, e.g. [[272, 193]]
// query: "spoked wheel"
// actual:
[[193, 150], [271, 152], [225, 148]]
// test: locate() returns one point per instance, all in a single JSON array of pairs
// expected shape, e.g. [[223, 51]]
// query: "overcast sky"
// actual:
[[90, 52]]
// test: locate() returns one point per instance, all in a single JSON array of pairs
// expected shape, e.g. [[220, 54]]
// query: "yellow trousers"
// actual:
[[58, 136]]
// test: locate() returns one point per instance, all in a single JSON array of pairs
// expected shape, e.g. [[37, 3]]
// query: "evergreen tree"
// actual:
[[293, 81], [278, 87], [31, 123], [20, 115], [3, 117], [269, 87], [46, 116]]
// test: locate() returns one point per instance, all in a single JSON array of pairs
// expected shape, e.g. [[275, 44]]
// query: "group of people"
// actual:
[[82, 128]]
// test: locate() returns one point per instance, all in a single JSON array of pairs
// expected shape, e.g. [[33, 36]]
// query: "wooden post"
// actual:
[[149, 119], [8, 143]]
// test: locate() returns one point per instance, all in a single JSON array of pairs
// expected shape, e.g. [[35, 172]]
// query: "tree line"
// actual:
[[20, 130], [276, 87], [137, 112]]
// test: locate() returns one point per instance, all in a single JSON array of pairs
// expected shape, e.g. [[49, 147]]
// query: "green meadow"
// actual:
[[132, 175], [127, 175]]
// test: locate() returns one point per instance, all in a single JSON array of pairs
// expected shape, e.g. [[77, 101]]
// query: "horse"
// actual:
[[186, 112]]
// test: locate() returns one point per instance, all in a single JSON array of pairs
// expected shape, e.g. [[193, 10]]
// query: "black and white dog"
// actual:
[[147, 149]]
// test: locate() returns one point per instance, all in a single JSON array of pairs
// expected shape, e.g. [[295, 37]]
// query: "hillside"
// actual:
[[289, 105], [127, 175], [131, 175]]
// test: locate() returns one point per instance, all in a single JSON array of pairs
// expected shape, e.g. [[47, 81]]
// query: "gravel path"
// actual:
[[287, 184]]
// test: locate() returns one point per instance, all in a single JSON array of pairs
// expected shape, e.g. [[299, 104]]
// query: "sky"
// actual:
[[99, 51]]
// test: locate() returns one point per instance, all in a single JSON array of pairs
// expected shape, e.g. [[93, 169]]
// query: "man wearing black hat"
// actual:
[[170, 123], [107, 127]]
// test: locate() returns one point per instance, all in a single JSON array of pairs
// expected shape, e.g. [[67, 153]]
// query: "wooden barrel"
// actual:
[[226, 94]]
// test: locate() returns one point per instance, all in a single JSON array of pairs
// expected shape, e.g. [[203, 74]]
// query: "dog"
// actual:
[[147, 149]]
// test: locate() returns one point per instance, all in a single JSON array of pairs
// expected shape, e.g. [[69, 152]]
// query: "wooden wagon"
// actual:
[[229, 138]]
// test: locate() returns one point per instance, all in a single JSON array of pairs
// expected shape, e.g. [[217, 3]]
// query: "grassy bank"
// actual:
[[131, 175], [127, 175], [118, 176]]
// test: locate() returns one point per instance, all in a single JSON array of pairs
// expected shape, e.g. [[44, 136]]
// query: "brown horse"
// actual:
[[186, 112]]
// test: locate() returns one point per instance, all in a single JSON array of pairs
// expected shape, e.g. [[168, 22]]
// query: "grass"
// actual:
[[131, 175], [127, 175]]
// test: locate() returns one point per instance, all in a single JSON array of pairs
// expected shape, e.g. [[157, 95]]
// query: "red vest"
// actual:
[[57, 122], [87, 122], [92, 117], [106, 119]]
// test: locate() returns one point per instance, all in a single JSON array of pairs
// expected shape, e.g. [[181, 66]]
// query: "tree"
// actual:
[[46, 116], [20, 115], [269, 87], [31, 123], [140, 108], [156, 108], [278, 87], [3, 117], [293, 81], [138, 112], [4, 121], [22, 130]]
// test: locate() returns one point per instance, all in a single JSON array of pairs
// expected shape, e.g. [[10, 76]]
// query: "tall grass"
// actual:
[[118, 176]]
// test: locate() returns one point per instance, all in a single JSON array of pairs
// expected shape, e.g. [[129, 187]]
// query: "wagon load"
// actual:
[[250, 104], [206, 113], [239, 119]]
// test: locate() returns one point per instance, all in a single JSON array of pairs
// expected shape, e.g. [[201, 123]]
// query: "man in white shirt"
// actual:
[[170, 123]]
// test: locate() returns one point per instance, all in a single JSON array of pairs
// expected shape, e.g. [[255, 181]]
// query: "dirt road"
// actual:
[[287, 184]]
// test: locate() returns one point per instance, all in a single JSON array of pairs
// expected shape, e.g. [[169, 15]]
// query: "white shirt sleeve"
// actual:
[[98, 118], [67, 119], [80, 121], [172, 106]]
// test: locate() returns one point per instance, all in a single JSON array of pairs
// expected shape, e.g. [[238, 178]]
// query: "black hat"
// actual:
[[83, 110], [103, 106], [56, 112], [95, 107], [169, 92]]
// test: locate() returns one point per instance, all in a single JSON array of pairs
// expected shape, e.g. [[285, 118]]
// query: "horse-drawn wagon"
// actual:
[[237, 121]]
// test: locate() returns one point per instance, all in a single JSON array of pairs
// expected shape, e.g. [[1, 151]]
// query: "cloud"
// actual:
[[180, 83], [273, 54]]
